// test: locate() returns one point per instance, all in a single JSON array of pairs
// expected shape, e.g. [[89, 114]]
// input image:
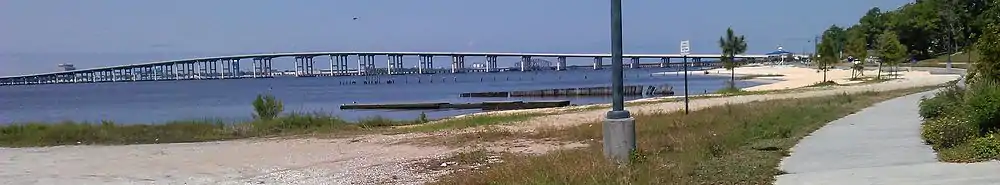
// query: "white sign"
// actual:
[[685, 47]]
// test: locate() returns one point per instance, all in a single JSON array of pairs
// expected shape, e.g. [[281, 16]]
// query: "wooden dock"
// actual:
[[488, 105], [631, 90]]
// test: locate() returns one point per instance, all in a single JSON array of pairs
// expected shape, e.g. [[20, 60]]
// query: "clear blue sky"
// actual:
[[38, 34]]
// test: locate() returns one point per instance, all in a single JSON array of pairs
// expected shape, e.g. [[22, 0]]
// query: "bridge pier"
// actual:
[[561, 64], [235, 69], [343, 59], [366, 64], [457, 64], [491, 63], [202, 69], [525, 63], [226, 67], [189, 71], [664, 62], [303, 66], [395, 63], [426, 64], [338, 65], [598, 63], [268, 71], [634, 64], [258, 67]]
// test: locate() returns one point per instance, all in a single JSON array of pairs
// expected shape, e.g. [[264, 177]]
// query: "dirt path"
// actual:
[[372, 159]]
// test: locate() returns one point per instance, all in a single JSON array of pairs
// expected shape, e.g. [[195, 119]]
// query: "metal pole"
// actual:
[[686, 107], [617, 101], [619, 126]]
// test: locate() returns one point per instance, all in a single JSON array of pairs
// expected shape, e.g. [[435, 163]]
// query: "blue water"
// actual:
[[159, 102]]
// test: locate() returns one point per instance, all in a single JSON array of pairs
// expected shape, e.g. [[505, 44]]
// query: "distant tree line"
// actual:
[[926, 28]]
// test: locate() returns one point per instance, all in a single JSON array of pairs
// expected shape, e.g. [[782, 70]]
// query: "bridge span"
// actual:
[[228, 67]]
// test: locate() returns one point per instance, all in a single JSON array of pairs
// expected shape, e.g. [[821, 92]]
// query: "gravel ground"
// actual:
[[373, 159]]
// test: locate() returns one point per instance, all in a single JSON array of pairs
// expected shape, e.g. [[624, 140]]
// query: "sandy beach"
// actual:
[[797, 77], [370, 159]]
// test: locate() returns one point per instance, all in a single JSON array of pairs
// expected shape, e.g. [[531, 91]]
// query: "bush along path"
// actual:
[[962, 123], [879, 145]]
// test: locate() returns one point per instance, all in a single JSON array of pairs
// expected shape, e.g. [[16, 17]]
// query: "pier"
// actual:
[[340, 64]]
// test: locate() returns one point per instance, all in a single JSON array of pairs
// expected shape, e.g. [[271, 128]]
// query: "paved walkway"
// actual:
[[879, 145]]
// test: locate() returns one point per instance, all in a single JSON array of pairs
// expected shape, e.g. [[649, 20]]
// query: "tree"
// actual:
[[857, 47], [267, 107], [872, 24], [891, 51], [988, 67], [838, 38], [827, 53], [731, 45]]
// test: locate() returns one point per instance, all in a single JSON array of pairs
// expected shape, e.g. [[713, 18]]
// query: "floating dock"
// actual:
[[488, 105], [630, 90]]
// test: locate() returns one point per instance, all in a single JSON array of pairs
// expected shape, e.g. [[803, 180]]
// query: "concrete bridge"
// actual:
[[228, 67]]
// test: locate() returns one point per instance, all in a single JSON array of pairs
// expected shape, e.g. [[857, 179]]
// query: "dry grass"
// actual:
[[731, 144]]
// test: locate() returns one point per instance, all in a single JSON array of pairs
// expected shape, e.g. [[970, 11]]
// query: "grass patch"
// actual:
[[731, 144], [472, 121], [962, 57], [824, 84], [729, 90], [110, 133]]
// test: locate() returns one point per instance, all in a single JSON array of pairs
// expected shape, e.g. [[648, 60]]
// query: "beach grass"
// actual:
[[730, 144], [110, 133]]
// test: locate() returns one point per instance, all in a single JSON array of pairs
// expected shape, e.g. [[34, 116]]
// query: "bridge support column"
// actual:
[[395, 63], [664, 62], [366, 64], [189, 67], [525, 63], [635, 63], [204, 70], [343, 59], [426, 64], [214, 64], [257, 67], [226, 68], [268, 72], [237, 73], [299, 66], [561, 64], [598, 63], [491, 64], [309, 66], [457, 64], [334, 65]]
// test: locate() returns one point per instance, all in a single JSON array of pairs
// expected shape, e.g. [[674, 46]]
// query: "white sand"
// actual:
[[796, 77], [371, 159]]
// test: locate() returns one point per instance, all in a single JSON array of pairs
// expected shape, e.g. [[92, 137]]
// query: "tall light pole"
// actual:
[[619, 126]]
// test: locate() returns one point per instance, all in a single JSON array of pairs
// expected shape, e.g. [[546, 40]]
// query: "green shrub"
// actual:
[[946, 101], [986, 147], [947, 132], [267, 107], [983, 105], [422, 118]]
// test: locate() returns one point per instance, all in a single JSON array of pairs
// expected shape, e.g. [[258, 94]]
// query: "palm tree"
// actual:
[[731, 45]]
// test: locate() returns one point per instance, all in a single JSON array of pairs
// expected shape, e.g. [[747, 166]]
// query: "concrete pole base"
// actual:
[[619, 139]]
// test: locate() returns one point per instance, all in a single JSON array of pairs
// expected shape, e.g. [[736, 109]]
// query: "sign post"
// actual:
[[685, 50]]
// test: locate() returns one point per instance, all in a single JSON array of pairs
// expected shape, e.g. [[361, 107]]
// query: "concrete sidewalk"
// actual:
[[879, 145]]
